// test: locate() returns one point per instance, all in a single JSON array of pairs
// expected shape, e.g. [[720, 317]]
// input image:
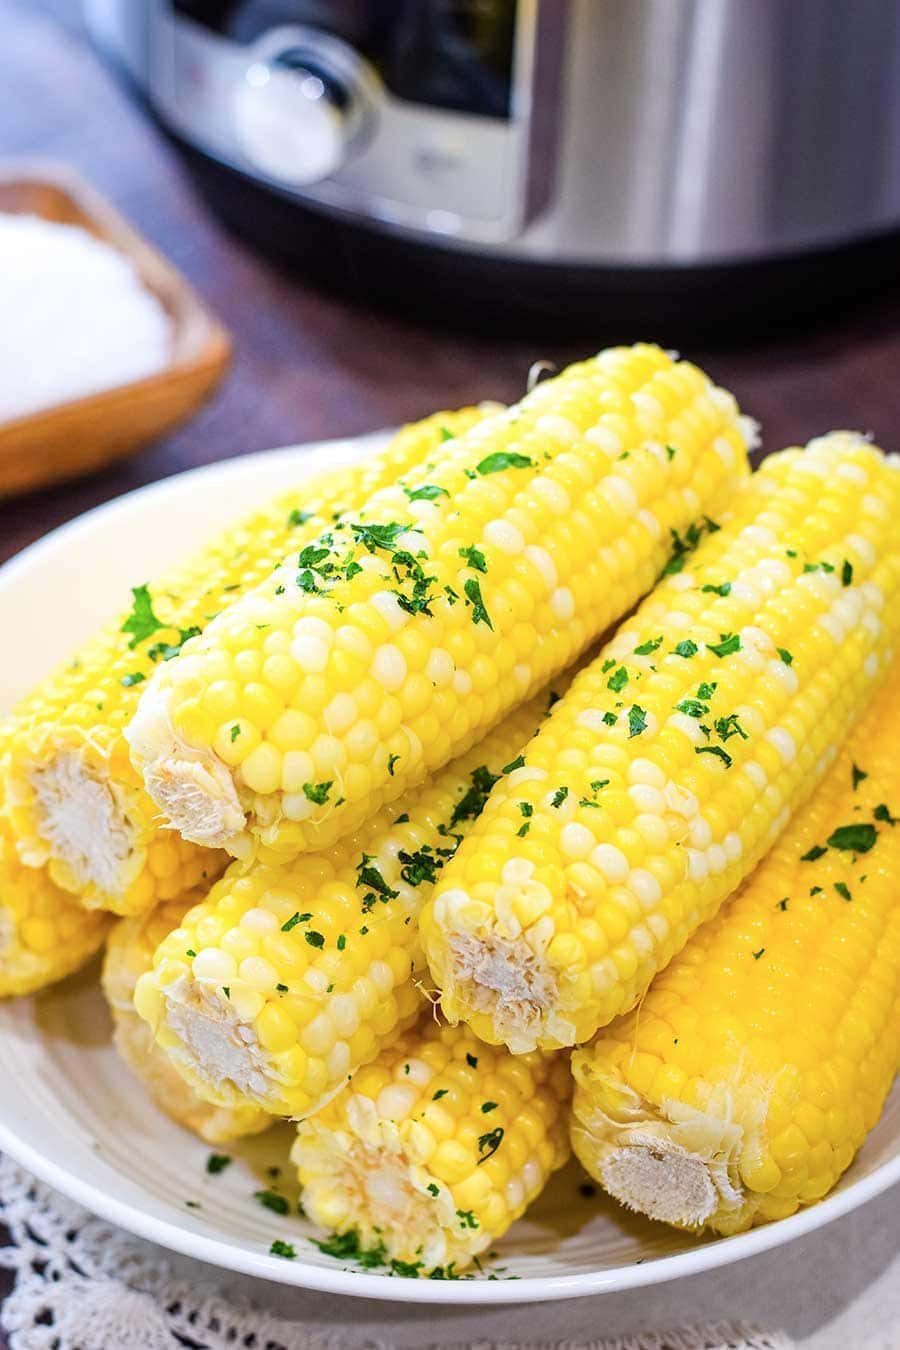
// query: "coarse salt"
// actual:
[[75, 318]]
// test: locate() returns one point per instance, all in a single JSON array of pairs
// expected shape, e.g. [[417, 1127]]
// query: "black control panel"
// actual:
[[453, 54]]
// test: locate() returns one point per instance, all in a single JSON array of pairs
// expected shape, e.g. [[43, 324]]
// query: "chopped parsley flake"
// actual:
[[419, 866], [273, 1201], [282, 988], [526, 808], [818, 567], [692, 707], [859, 776], [757, 955], [489, 1143], [785, 655], [728, 644], [883, 814], [473, 596], [294, 920], [854, 838], [472, 1061], [315, 939], [135, 677], [706, 690], [503, 459], [488, 1106], [426, 493], [472, 802], [559, 796], [226, 990], [815, 852], [447, 435], [466, 1218], [474, 557], [370, 878], [285, 1249], [216, 1163], [433, 1189], [637, 720], [648, 647], [298, 517], [729, 726], [441, 1092], [317, 793], [513, 764], [671, 452], [723, 588], [847, 573], [392, 760], [618, 680], [783, 904], [686, 648], [716, 750], [142, 621], [341, 942], [609, 718], [523, 829], [235, 732], [843, 890]]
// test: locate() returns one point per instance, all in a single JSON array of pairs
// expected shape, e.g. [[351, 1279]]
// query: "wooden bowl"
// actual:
[[84, 434]]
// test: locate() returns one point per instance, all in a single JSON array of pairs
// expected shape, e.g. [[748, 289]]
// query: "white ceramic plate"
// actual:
[[72, 1114]]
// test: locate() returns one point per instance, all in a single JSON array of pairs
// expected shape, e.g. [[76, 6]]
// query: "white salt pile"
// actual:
[[74, 317]]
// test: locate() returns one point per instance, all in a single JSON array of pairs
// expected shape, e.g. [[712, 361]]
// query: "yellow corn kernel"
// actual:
[[129, 954], [295, 974], [766, 1127], [378, 1161], [44, 934], [467, 584], [74, 801], [718, 705]]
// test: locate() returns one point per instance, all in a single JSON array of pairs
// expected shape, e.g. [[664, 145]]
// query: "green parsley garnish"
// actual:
[[341, 942], [706, 690], [723, 588], [473, 596], [235, 732], [513, 764], [843, 890], [216, 1163], [441, 1092], [503, 459], [847, 573], [785, 655], [314, 939], [488, 1106], [466, 1218], [432, 1189], [618, 680], [728, 644], [472, 1061], [317, 792], [609, 719], [686, 648], [285, 1249], [671, 452], [648, 647], [294, 920], [474, 557], [447, 435], [782, 904], [298, 517], [729, 726], [637, 720], [273, 1201], [817, 851], [142, 621], [883, 814], [853, 838], [128, 681], [757, 955], [858, 777], [559, 796], [716, 750], [392, 760], [489, 1143], [426, 493]]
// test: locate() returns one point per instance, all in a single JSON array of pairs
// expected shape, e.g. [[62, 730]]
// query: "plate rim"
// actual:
[[218, 1252]]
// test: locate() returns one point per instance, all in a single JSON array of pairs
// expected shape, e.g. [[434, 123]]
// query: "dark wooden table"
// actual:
[[308, 366]]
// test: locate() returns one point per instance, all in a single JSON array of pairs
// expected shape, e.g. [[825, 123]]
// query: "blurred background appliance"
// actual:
[[577, 163]]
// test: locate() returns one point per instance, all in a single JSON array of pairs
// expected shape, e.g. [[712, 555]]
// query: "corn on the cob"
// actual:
[[761, 1057], [676, 758], [44, 934], [411, 627], [75, 801], [290, 976], [435, 1149], [129, 955]]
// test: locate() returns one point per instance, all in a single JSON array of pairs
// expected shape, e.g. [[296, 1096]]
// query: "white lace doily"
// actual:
[[82, 1284]]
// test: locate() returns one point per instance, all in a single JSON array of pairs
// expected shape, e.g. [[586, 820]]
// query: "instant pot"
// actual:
[[548, 163]]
